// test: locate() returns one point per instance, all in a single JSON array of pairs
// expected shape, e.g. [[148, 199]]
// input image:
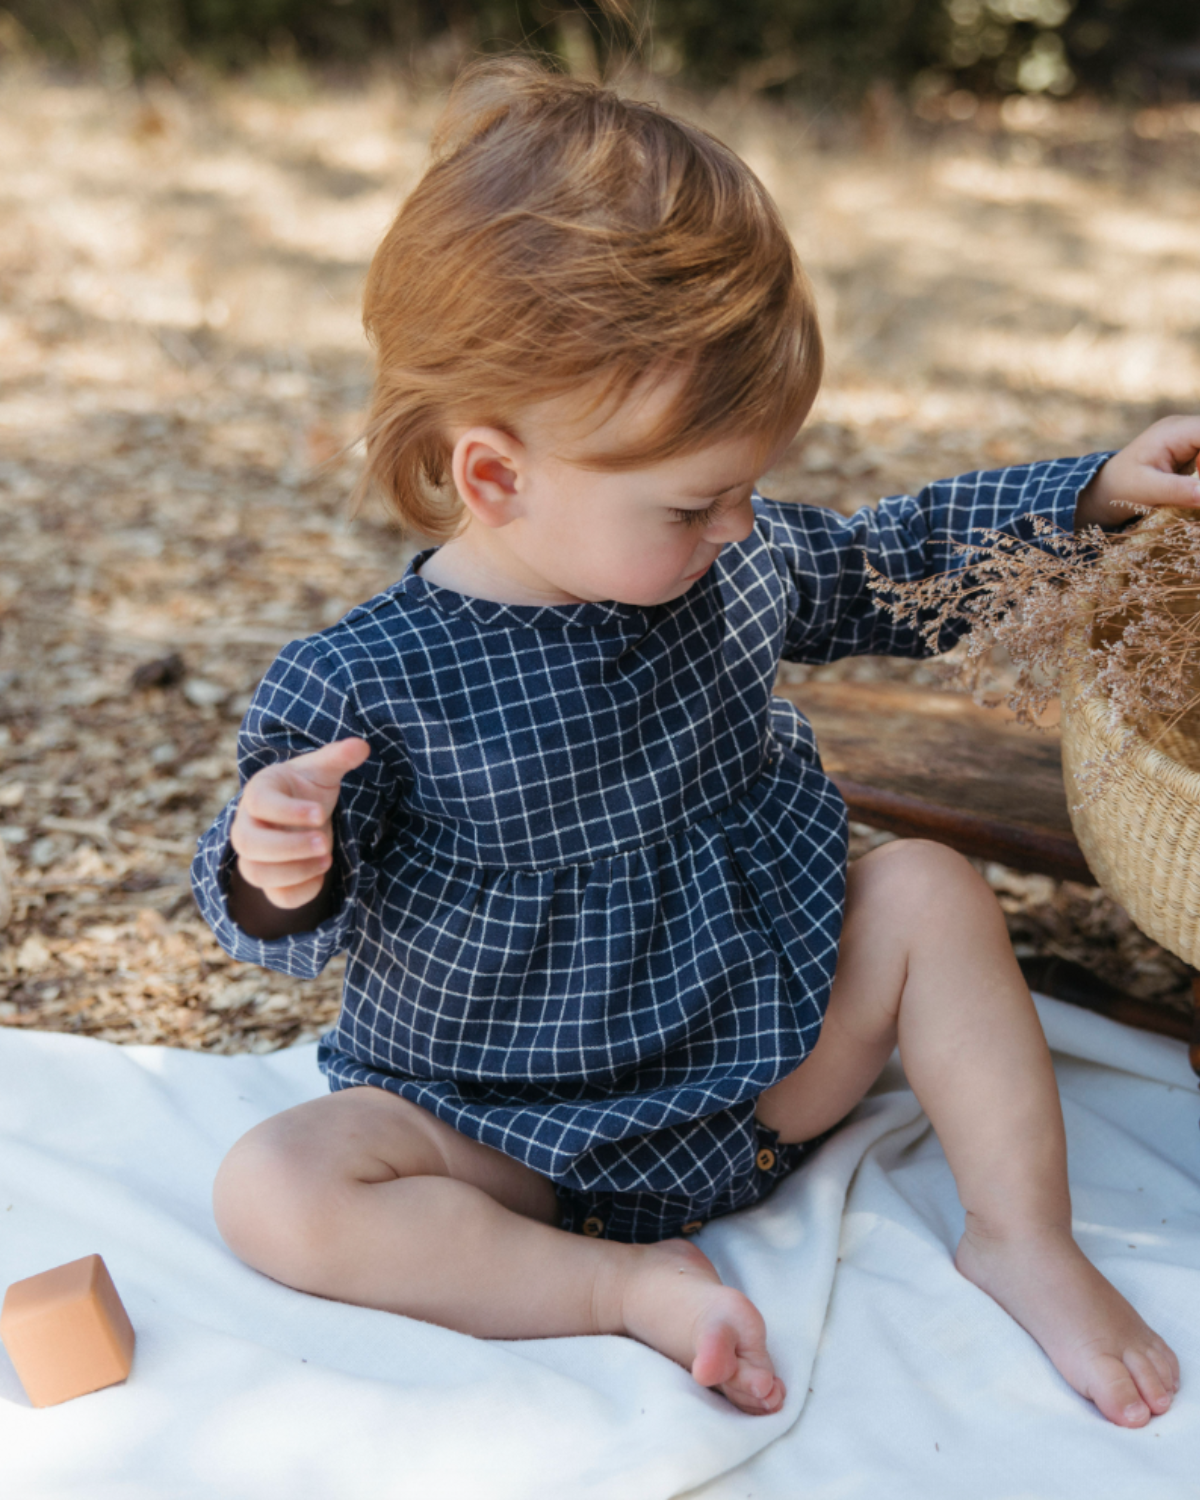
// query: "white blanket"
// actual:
[[904, 1380]]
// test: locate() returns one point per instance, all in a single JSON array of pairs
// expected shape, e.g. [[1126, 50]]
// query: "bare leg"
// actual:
[[925, 960], [364, 1197]]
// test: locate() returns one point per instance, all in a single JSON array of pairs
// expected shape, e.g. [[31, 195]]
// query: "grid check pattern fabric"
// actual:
[[592, 874], [641, 1218]]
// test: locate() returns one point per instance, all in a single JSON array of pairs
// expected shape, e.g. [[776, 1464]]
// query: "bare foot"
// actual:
[[672, 1299], [1095, 1339]]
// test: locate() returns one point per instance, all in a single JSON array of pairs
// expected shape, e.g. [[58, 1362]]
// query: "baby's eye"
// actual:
[[698, 517]]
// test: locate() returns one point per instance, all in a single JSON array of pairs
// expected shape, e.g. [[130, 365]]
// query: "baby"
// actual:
[[608, 977]]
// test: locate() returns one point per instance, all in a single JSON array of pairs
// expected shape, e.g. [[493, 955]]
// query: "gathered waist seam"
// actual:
[[665, 836]]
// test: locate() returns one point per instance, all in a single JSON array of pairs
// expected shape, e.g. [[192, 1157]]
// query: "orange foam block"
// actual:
[[66, 1331]]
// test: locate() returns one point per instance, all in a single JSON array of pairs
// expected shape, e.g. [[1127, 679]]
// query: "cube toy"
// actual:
[[66, 1331]]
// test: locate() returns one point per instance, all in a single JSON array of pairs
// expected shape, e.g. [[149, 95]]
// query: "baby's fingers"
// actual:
[[297, 895], [302, 792], [1153, 487], [324, 768], [1172, 442], [266, 801], [266, 844], [286, 884]]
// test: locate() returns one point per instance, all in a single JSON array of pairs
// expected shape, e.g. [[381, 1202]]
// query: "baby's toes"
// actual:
[[1113, 1390], [735, 1361], [758, 1392], [716, 1360], [1155, 1391], [1162, 1357]]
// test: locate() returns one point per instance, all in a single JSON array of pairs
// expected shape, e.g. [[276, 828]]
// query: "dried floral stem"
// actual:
[[1134, 596]]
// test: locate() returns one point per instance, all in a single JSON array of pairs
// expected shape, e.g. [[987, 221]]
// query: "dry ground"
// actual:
[[183, 369]]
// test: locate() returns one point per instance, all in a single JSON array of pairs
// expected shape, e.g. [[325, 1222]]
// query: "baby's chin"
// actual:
[[675, 591], [686, 584], [643, 598], [663, 596]]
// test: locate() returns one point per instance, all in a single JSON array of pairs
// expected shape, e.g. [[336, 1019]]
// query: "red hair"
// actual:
[[565, 238]]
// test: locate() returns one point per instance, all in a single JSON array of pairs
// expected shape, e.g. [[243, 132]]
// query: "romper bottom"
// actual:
[[642, 1218]]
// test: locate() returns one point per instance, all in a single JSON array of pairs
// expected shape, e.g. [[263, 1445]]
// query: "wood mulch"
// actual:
[[183, 376]]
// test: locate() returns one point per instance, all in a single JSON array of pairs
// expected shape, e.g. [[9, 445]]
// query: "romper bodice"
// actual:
[[592, 874]]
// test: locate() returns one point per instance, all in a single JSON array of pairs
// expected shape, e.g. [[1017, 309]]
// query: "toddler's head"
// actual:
[[567, 243]]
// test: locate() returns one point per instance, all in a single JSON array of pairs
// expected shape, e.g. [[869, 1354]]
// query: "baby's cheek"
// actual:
[[659, 562]]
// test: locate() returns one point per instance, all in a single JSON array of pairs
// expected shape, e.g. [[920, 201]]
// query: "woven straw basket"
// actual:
[[1141, 834]]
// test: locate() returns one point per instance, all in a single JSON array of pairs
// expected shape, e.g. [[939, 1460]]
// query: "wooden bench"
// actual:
[[935, 765]]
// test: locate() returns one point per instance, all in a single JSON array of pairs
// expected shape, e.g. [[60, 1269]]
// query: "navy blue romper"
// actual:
[[592, 875]]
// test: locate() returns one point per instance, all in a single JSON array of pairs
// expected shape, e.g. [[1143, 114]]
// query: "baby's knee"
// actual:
[[269, 1209], [916, 879]]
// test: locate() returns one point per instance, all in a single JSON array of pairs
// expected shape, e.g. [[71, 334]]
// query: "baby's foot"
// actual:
[[1095, 1339], [673, 1300]]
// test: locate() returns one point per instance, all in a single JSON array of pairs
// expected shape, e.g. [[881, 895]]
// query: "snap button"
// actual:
[[593, 1227], [765, 1159], [692, 1227]]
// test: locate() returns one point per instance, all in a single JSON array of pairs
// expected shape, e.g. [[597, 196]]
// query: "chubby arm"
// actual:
[[825, 561], [270, 894]]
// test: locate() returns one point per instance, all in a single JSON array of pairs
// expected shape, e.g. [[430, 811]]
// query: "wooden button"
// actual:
[[692, 1227], [593, 1227], [765, 1159]]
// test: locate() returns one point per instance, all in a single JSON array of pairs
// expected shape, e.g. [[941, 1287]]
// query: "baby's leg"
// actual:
[[925, 959], [363, 1197]]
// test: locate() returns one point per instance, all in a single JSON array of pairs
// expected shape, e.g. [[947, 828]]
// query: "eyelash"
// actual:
[[699, 517]]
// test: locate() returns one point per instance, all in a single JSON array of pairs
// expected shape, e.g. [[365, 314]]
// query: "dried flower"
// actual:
[[1129, 600]]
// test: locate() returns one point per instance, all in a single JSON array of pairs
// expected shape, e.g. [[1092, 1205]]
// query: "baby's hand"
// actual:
[[283, 829], [1157, 468]]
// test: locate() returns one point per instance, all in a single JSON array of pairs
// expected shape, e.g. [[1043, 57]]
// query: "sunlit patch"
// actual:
[[184, 370]]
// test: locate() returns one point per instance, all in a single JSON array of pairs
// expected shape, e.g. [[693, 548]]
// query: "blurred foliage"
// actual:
[[1139, 49]]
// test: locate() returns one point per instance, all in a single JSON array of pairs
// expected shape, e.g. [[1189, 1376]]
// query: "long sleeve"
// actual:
[[301, 704], [823, 557]]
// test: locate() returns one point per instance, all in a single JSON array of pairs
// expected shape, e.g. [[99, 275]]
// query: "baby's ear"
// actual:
[[489, 468]]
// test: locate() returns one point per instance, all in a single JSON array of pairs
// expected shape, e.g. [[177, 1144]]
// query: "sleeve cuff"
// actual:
[[1062, 483]]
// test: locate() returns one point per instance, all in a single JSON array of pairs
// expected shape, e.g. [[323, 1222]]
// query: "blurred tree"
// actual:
[[827, 49]]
